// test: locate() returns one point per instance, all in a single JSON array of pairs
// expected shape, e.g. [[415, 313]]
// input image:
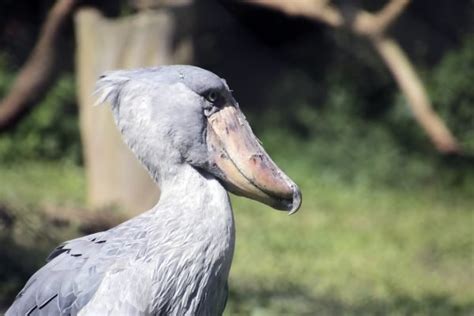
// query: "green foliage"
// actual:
[[50, 131], [357, 130], [6, 76], [453, 93], [363, 131]]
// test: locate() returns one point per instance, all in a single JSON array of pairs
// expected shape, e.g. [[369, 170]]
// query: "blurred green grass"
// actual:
[[386, 226], [353, 249], [356, 251]]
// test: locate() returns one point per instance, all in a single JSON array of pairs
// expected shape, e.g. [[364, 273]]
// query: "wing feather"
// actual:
[[52, 290]]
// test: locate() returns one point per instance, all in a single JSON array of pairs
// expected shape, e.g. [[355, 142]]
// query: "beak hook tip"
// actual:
[[297, 199]]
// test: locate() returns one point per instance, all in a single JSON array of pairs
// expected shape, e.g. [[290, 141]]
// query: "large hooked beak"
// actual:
[[245, 167]]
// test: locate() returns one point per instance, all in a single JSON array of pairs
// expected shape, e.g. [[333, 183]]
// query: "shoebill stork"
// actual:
[[184, 125]]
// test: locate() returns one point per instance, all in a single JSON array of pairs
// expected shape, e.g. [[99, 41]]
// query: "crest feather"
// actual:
[[108, 87]]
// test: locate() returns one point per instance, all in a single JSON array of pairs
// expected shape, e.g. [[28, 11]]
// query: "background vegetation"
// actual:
[[386, 226]]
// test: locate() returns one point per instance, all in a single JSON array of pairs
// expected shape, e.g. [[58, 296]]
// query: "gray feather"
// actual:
[[173, 259]]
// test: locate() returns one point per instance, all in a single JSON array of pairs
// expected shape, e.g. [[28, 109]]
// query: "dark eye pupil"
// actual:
[[212, 96]]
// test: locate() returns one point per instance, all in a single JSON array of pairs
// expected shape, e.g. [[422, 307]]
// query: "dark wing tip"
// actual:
[[57, 251]]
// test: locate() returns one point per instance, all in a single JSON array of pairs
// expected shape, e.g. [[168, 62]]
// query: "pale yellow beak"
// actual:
[[246, 168]]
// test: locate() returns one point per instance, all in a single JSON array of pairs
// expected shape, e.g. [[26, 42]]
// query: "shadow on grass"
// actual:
[[297, 301], [24, 246], [29, 234], [17, 264]]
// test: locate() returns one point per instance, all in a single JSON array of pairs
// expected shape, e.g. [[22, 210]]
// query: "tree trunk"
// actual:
[[114, 176]]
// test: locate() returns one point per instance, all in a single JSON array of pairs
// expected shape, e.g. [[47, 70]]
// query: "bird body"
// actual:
[[175, 258]]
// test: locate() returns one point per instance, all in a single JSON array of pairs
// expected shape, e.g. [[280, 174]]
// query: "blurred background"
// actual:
[[368, 105]]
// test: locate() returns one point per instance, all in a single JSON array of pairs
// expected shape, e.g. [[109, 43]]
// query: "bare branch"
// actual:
[[155, 4], [412, 87], [359, 21], [319, 10], [386, 16], [373, 26], [36, 75]]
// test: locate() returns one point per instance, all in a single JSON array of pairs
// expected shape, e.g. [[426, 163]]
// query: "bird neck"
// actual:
[[194, 228], [195, 200], [183, 182]]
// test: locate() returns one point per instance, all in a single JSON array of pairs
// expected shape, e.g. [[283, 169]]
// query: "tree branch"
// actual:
[[412, 87], [390, 12], [319, 10], [373, 26], [37, 74]]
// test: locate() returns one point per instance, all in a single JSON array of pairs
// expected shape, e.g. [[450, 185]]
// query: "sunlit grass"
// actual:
[[42, 183], [352, 249], [356, 250]]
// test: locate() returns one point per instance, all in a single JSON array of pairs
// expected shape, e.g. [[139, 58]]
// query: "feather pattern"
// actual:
[[173, 259]]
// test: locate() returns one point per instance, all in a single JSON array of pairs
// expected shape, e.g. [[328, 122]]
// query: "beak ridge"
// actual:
[[246, 169]]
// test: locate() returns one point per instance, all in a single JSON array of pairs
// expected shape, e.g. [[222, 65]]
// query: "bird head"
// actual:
[[173, 115]]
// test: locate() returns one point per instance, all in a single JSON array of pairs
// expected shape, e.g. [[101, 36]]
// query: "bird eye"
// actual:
[[212, 96]]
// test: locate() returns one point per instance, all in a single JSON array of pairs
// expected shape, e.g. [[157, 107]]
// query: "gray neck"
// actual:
[[195, 212], [182, 179], [196, 204]]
